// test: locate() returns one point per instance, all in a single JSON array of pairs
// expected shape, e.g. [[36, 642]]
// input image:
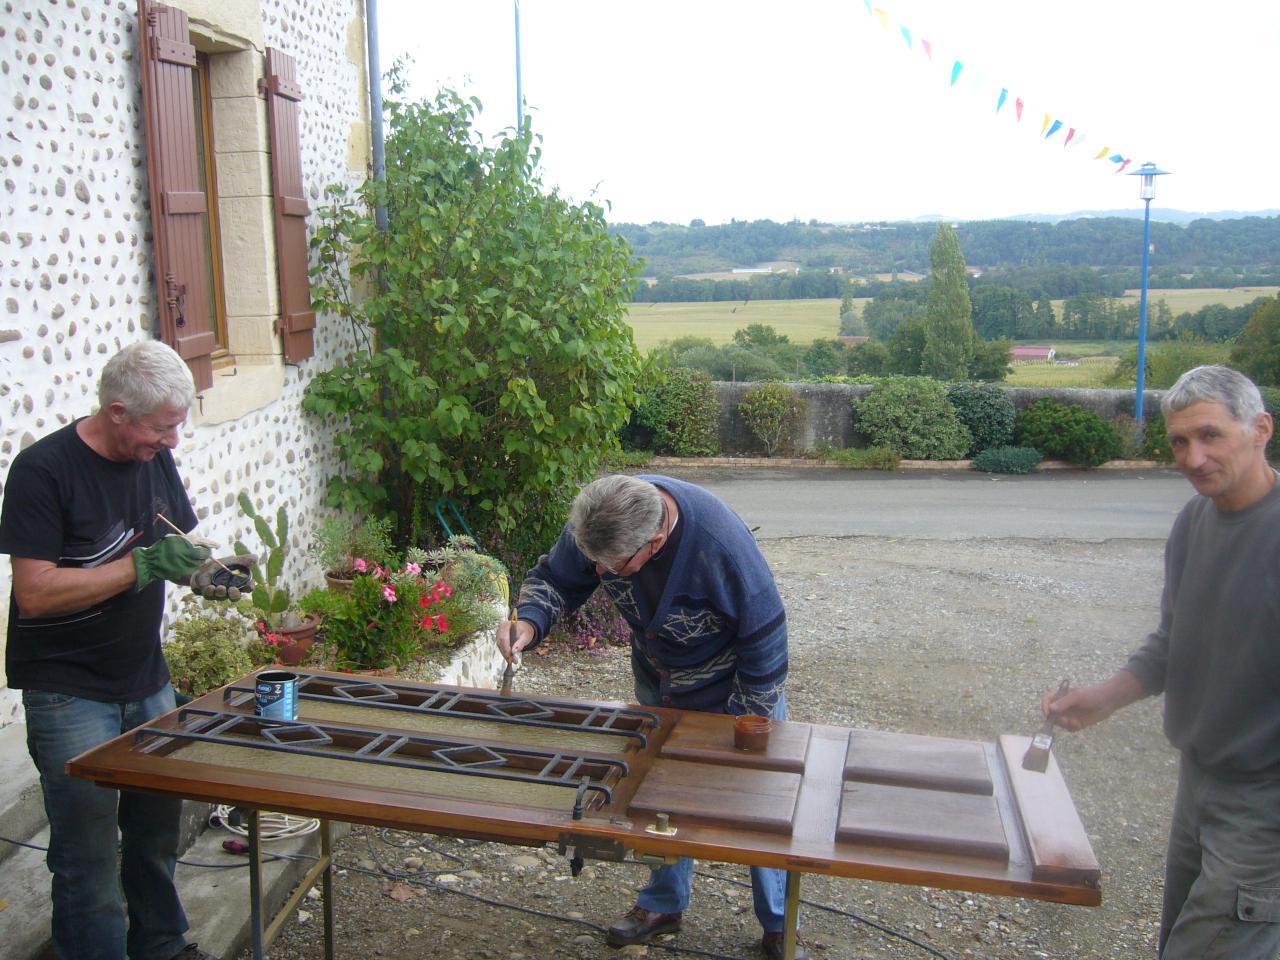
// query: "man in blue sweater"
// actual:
[[1216, 658], [708, 632]]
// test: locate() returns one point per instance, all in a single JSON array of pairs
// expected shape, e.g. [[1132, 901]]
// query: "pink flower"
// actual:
[[441, 623], [412, 568], [427, 623], [448, 590], [378, 571], [388, 594], [435, 596], [360, 565], [424, 601]]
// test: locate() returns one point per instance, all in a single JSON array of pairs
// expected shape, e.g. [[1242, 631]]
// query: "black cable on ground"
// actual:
[[889, 931]]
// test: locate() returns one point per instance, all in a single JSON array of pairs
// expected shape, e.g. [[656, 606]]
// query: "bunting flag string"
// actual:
[[1051, 122]]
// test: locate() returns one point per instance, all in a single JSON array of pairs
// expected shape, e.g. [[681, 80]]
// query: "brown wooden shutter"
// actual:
[[179, 207], [296, 316]]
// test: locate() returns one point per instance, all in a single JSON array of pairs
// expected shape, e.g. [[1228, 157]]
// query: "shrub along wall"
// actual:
[[828, 414]]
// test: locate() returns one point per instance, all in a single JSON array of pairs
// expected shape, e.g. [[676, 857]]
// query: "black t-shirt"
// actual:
[[68, 505]]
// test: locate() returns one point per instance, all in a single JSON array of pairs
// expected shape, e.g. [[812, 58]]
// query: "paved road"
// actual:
[[950, 505]]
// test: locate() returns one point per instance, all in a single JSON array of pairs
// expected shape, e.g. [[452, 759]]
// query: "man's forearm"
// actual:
[[43, 589]]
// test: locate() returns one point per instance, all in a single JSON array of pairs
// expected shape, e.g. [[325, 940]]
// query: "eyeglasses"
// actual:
[[617, 571]]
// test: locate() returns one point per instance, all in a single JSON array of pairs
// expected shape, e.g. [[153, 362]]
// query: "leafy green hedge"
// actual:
[[772, 412], [911, 415], [1007, 460], [1067, 433], [679, 417], [986, 411]]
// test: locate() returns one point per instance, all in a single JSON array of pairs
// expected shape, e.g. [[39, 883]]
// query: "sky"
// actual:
[[819, 109]]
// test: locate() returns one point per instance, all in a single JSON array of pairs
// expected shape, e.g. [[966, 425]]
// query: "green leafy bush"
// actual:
[[208, 649], [911, 416], [1155, 441], [986, 411], [772, 412], [1007, 460], [494, 363], [1271, 400], [680, 415], [1073, 434]]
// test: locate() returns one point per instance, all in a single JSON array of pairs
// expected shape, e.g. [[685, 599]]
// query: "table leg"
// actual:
[[255, 886], [792, 915], [326, 853]]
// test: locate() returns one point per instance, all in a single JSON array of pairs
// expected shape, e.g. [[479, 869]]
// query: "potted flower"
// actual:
[[270, 603], [389, 617], [344, 538]]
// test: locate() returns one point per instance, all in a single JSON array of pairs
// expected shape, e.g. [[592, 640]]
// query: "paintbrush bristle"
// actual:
[[1037, 756]]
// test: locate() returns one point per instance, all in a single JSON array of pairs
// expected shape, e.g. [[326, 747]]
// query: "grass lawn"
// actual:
[[1189, 301], [802, 320], [1092, 372]]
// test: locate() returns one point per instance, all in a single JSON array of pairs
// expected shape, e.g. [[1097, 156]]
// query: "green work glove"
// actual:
[[169, 558]]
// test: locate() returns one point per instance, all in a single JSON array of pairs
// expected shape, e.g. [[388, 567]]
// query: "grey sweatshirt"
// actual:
[[1216, 653]]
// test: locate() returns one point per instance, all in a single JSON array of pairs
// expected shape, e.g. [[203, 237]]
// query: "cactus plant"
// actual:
[[270, 597]]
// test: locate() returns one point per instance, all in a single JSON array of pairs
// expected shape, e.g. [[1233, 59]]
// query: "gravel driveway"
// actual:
[[945, 637]]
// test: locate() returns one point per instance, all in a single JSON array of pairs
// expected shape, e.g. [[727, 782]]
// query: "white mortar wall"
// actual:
[[75, 248]]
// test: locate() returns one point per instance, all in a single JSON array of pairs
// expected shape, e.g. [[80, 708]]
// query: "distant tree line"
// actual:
[[1248, 247], [1008, 312]]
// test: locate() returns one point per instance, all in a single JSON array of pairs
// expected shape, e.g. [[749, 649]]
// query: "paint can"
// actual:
[[276, 695]]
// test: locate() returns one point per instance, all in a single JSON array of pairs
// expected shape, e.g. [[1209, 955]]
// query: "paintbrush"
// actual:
[[509, 670], [1037, 756], [161, 516]]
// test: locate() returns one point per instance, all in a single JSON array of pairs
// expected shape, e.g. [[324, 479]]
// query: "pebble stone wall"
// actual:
[[75, 248]]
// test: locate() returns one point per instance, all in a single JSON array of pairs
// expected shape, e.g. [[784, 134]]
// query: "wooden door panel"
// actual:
[[707, 737], [757, 799], [909, 760], [933, 821]]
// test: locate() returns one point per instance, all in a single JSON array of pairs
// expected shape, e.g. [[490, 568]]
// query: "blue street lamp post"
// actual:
[[1148, 172]]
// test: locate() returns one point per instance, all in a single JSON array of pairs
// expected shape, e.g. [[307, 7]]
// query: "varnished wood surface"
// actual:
[[1049, 855], [1055, 836], [705, 737], [911, 818], [909, 760], [752, 799]]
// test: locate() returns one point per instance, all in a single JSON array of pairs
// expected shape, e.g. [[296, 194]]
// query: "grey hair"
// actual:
[[613, 516], [1216, 384], [146, 376]]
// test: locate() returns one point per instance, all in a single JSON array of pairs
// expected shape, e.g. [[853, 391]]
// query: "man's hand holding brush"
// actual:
[[1082, 707]]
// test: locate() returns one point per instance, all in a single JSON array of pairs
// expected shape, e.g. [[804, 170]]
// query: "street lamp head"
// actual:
[[1147, 185]]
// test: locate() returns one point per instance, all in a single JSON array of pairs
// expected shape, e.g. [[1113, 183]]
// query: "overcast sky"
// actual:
[[809, 109]]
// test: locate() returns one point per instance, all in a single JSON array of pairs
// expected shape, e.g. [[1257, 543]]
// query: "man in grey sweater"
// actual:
[[1216, 658]]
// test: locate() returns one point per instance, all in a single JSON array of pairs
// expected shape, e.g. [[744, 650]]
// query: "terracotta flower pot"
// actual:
[[301, 638], [337, 584]]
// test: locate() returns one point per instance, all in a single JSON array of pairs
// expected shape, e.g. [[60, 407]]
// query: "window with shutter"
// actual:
[[296, 316], [179, 207]]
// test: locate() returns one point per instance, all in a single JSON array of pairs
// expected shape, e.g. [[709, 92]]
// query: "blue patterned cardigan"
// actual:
[[718, 638]]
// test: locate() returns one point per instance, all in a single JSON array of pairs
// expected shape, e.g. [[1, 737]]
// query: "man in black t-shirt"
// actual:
[[90, 555]]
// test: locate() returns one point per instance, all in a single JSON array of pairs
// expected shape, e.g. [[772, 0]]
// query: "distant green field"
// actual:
[[1092, 372], [1182, 301], [802, 320]]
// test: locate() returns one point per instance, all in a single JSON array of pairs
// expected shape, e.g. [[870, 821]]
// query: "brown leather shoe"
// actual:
[[640, 926], [772, 946]]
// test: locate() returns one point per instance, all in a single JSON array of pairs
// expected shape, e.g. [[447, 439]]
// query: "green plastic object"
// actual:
[[445, 503]]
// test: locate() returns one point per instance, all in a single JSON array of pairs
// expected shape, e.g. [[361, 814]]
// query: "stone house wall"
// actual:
[[75, 241]]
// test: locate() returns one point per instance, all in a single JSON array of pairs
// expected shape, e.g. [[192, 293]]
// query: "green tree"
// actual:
[[906, 348], [949, 335], [1257, 351], [869, 357], [824, 358], [497, 364], [759, 336]]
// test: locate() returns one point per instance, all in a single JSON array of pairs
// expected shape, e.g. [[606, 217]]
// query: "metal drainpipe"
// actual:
[[375, 105]]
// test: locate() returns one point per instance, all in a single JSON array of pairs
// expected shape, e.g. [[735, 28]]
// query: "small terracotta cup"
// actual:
[[751, 733]]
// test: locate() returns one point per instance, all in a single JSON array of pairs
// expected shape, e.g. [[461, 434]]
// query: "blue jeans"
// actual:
[[90, 869], [669, 886]]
